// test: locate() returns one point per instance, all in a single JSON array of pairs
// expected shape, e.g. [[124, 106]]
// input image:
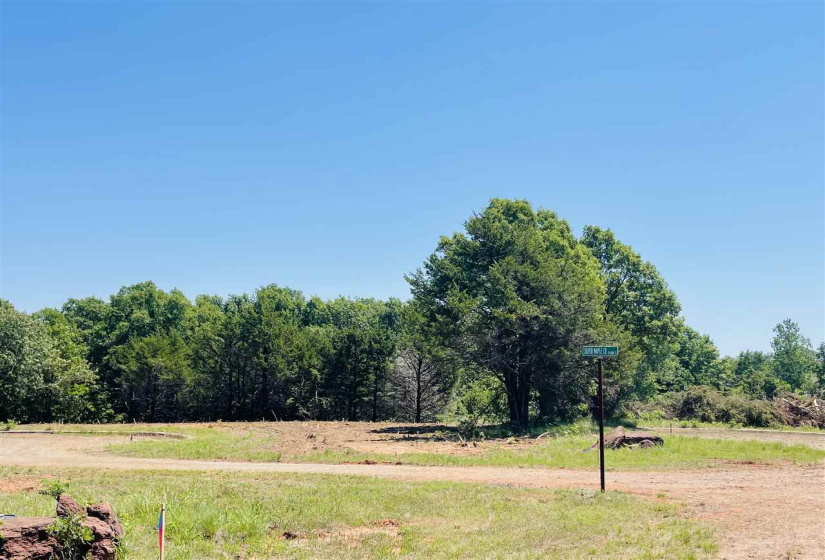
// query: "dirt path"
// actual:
[[761, 512]]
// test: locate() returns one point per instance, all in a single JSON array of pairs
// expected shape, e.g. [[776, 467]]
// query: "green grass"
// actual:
[[664, 424], [566, 452], [222, 515], [561, 448], [205, 444]]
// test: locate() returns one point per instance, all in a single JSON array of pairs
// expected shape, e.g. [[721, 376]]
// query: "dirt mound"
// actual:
[[29, 538]]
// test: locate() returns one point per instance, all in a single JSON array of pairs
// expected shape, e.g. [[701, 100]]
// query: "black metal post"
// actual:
[[601, 424]]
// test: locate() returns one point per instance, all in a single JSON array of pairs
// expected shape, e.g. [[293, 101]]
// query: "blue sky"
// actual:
[[219, 147]]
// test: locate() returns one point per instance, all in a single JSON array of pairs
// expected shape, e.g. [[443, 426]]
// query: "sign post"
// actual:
[[600, 352]]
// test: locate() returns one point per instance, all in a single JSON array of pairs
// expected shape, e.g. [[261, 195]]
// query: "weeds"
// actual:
[[53, 488], [567, 452], [207, 444], [73, 537], [229, 515]]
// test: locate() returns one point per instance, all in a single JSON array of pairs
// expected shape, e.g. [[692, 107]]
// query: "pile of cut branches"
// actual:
[[801, 411]]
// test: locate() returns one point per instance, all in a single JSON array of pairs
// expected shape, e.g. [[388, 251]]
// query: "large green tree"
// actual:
[[794, 360], [44, 375], [138, 311], [72, 389], [516, 294], [26, 355], [638, 299], [754, 374], [698, 358]]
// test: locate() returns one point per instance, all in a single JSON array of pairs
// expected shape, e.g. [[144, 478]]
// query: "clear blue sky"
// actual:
[[219, 147]]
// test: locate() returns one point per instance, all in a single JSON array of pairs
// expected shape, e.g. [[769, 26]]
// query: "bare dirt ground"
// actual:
[[765, 512], [300, 438], [293, 439]]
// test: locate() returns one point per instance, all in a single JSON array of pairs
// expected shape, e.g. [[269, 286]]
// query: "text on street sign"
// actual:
[[600, 351]]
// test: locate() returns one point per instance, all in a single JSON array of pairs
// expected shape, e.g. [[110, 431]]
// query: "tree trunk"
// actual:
[[418, 390], [518, 398], [375, 399]]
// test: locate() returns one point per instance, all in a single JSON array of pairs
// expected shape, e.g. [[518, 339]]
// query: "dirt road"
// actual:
[[760, 511]]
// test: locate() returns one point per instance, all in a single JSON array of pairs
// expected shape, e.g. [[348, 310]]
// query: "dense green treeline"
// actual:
[[493, 330]]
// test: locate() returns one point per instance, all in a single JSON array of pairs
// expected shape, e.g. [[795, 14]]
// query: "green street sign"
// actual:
[[599, 351]]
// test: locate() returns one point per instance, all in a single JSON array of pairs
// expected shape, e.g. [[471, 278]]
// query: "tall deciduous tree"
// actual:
[[25, 355], [794, 360], [639, 300], [820, 366], [754, 374], [698, 357], [515, 293], [72, 392]]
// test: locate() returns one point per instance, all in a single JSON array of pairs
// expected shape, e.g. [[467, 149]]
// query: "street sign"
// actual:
[[600, 351]]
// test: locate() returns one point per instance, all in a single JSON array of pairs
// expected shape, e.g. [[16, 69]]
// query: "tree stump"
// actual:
[[619, 439]]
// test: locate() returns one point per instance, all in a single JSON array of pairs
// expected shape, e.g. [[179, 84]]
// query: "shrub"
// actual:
[[703, 404], [52, 488], [73, 537]]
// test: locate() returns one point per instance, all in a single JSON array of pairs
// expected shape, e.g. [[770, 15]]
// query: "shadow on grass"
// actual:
[[423, 432], [505, 430]]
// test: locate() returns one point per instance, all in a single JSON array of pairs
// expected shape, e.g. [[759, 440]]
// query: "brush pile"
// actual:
[[808, 412]]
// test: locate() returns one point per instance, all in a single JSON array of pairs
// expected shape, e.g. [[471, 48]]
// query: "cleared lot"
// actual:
[[760, 511]]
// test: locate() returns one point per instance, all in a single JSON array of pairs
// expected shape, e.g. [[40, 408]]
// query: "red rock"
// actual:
[[100, 529], [105, 513], [103, 550], [67, 507], [26, 538]]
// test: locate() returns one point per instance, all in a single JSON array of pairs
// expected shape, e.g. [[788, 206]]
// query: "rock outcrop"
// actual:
[[28, 538], [66, 506]]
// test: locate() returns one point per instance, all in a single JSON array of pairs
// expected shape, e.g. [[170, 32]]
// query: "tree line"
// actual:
[[493, 329]]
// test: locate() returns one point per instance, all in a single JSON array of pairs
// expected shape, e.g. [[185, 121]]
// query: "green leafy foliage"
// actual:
[[705, 404], [53, 488], [493, 331], [516, 295], [73, 537]]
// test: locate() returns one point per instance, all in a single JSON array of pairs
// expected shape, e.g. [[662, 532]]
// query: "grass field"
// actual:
[[662, 423], [553, 452], [247, 516], [681, 452], [205, 444]]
